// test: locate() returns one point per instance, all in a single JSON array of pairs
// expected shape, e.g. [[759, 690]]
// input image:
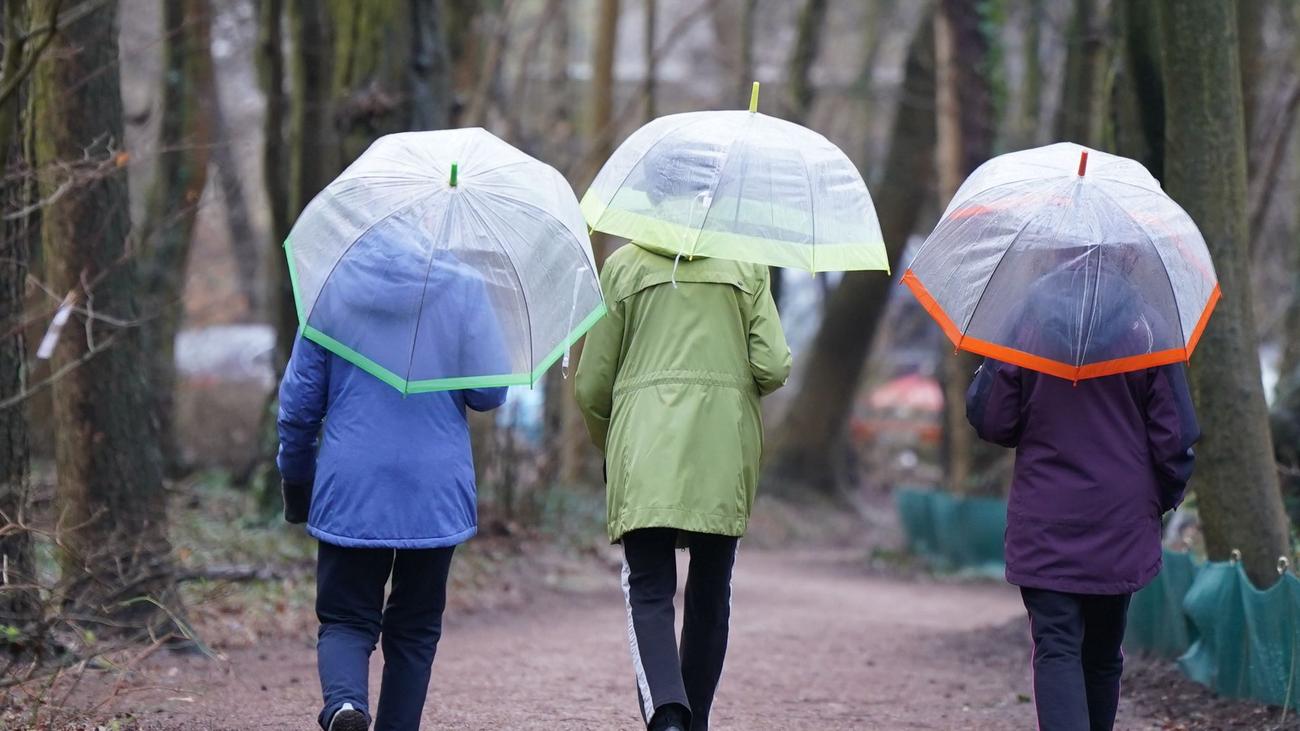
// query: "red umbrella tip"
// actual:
[[1083, 162]]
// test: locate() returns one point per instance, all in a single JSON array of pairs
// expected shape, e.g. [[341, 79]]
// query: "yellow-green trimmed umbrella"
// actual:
[[739, 185]]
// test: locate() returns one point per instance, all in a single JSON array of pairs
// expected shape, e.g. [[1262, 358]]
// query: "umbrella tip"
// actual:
[[753, 98], [454, 168], [1083, 162]]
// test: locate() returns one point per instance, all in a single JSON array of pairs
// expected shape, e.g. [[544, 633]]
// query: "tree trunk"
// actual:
[[245, 245], [1139, 94], [275, 170], [648, 49], [577, 466], [184, 140], [110, 500], [1205, 171], [1081, 116], [964, 131], [19, 603], [746, 48], [1031, 102], [488, 84], [1252, 53], [429, 71], [805, 452], [464, 47], [807, 44]]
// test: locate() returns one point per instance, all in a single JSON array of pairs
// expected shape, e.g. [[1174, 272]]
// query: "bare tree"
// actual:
[[964, 104], [184, 141], [807, 44], [275, 168], [429, 70], [1138, 92], [245, 244], [1205, 171], [651, 63], [1082, 113], [576, 465], [110, 498], [806, 451], [18, 600]]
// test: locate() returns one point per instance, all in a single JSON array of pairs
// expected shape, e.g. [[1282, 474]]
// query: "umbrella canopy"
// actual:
[[445, 260], [1067, 261], [742, 186]]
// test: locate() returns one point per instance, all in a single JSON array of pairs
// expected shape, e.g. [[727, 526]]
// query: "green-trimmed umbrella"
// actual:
[[445, 260], [739, 185]]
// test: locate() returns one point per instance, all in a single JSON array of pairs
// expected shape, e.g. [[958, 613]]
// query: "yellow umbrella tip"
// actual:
[[753, 98]]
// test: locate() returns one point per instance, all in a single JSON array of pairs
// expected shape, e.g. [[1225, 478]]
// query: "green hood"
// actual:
[[661, 250]]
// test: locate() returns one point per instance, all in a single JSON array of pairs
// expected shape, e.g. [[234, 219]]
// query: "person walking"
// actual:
[[1098, 462], [669, 385], [385, 482]]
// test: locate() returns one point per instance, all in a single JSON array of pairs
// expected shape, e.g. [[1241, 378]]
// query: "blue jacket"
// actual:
[[391, 471]]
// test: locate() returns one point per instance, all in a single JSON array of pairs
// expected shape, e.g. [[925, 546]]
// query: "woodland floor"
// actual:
[[819, 641]]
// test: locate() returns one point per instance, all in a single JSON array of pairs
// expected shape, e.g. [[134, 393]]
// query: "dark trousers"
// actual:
[[666, 676], [1077, 657], [353, 616]]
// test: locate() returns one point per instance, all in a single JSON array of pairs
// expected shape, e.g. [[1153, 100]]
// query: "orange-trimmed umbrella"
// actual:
[[1069, 262]]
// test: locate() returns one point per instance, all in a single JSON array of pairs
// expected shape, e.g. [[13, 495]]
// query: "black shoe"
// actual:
[[348, 718], [671, 717]]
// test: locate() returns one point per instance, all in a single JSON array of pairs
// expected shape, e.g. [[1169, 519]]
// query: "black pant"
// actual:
[[352, 613], [665, 677], [1077, 657]]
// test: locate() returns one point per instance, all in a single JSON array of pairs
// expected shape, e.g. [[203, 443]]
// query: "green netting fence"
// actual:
[[1240, 641], [1157, 624], [951, 532], [1248, 640]]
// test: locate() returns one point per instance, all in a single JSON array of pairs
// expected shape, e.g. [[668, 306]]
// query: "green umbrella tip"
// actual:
[[453, 174], [753, 98]]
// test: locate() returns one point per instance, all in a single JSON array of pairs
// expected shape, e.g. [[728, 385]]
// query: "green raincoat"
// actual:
[[669, 384]]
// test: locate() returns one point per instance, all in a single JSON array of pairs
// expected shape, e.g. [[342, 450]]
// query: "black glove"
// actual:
[[297, 501]]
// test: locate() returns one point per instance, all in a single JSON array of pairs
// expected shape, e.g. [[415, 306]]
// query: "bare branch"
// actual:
[[592, 161], [62, 372], [63, 20], [1263, 184], [13, 80]]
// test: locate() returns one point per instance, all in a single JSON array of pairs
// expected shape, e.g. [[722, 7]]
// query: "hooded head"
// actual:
[[1079, 316]]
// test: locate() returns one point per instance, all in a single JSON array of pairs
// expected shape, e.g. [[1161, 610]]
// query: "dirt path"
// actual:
[[816, 644]]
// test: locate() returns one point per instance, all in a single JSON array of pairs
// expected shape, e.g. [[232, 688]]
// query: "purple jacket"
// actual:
[[1097, 464]]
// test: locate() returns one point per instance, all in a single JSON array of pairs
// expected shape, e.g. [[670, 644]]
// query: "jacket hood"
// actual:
[[661, 250]]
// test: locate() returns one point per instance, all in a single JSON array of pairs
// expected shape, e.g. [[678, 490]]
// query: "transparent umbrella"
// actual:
[[738, 185], [1067, 261], [445, 260]]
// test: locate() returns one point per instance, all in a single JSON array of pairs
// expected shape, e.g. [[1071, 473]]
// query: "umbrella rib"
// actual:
[[523, 293], [1092, 318], [812, 211], [419, 312], [926, 244], [1015, 239], [343, 255], [644, 155], [1173, 293], [573, 240], [722, 169]]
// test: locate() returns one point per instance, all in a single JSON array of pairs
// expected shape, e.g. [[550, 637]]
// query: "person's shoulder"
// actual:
[[626, 265]]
